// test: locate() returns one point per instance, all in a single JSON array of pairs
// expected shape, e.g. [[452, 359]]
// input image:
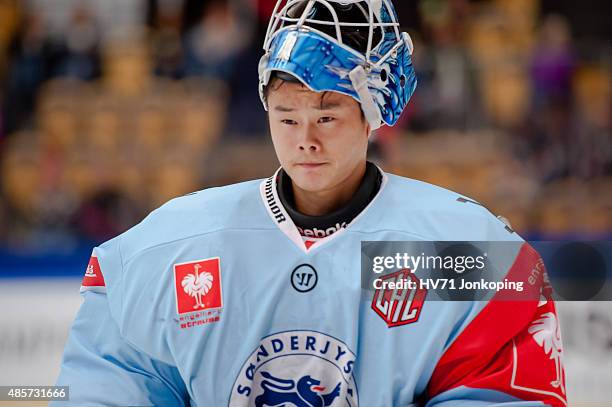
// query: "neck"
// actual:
[[327, 201]]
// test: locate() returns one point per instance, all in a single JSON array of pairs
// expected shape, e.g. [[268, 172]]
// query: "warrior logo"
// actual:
[[297, 368], [304, 278], [271, 201]]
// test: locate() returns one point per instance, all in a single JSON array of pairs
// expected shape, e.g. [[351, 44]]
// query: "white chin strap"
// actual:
[[359, 80]]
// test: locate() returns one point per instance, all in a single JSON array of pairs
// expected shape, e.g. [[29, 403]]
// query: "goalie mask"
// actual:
[[349, 46]]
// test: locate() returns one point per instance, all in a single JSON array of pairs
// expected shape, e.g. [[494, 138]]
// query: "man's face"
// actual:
[[320, 142]]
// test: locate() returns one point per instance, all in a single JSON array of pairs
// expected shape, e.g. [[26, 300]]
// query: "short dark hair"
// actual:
[[278, 78]]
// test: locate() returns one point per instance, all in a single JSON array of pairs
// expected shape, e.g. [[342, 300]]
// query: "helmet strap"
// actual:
[[359, 80], [264, 78]]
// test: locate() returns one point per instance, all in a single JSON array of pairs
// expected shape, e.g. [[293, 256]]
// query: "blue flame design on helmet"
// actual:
[[380, 76]]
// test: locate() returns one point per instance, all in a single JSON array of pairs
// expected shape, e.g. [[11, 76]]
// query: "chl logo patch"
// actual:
[[399, 306], [297, 368], [304, 278], [198, 285]]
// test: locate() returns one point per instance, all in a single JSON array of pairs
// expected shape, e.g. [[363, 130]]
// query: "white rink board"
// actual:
[[35, 317], [37, 314], [587, 337]]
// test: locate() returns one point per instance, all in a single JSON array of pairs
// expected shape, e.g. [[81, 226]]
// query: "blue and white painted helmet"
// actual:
[[367, 58]]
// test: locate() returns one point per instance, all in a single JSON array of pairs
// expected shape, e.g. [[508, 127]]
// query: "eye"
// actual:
[[326, 119], [288, 122]]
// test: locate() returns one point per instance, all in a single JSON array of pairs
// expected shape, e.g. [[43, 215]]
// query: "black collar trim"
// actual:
[[322, 226]]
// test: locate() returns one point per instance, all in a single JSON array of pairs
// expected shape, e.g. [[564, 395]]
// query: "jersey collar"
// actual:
[[280, 215], [321, 226]]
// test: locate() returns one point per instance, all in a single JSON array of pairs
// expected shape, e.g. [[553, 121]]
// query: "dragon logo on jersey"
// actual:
[[297, 368], [305, 393]]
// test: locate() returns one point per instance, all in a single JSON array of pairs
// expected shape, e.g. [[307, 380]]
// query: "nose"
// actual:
[[309, 139]]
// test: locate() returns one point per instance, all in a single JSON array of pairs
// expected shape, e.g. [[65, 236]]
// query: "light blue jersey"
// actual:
[[215, 300]]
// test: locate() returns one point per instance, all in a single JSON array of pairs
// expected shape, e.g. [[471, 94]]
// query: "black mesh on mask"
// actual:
[[354, 37]]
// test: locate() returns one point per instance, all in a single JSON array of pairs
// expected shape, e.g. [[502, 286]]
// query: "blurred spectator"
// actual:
[[548, 142], [2, 132], [82, 41], [9, 19], [3, 219], [592, 154], [207, 49], [550, 138], [165, 23], [443, 65], [552, 64], [264, 10], [30, 59], [244, 102], [105, 215], [36, 56]]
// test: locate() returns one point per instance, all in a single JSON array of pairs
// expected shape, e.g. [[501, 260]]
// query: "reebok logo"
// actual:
[[320, 233]]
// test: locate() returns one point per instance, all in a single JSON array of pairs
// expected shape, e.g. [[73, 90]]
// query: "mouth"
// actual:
[[310, 165], [318, 389]]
